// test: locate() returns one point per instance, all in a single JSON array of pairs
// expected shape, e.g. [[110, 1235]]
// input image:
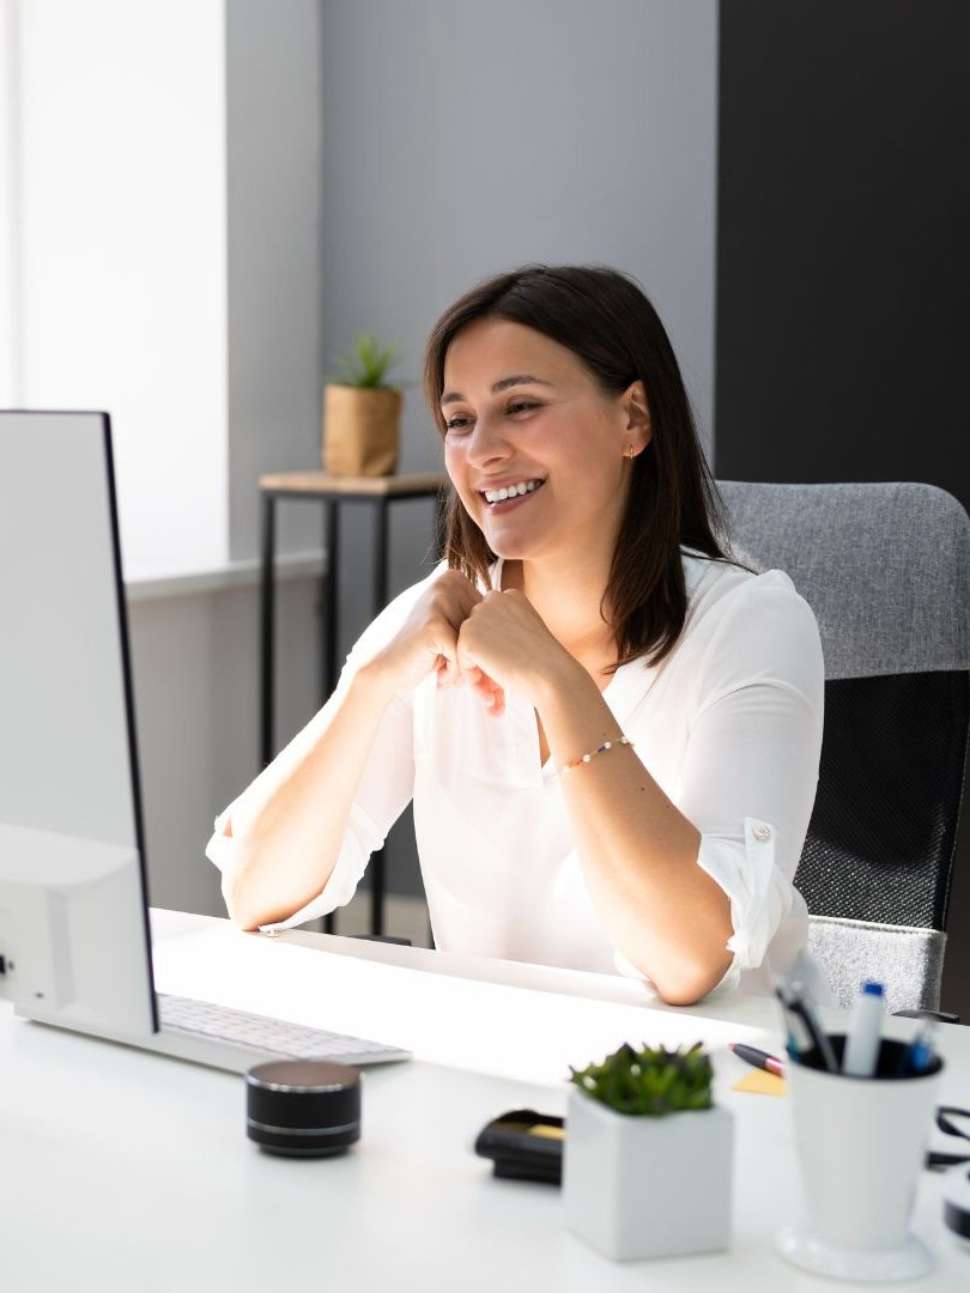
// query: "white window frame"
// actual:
[[11, 167]]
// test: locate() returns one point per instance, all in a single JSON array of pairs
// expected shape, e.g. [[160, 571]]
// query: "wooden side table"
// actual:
[[317, 486]]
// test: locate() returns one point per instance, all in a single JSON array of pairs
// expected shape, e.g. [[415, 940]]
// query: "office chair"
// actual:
[[886, 569]]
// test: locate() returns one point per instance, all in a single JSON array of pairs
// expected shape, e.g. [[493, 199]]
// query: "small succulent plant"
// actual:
[[369, 363], [651, 1081]]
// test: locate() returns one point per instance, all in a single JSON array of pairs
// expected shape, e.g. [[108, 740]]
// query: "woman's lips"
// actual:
[[509, 503]]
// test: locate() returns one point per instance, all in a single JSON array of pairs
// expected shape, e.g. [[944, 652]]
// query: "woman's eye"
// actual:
[[519, 407]]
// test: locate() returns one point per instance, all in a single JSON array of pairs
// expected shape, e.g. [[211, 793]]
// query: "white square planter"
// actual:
[[638, 1186]]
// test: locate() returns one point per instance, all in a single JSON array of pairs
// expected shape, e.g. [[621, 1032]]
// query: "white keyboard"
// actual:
[[260, 1033]]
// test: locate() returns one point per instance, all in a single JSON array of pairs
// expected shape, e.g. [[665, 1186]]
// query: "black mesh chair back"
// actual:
[[886, 569]]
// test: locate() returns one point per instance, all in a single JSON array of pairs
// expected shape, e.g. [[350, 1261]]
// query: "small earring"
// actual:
[[631, 452]]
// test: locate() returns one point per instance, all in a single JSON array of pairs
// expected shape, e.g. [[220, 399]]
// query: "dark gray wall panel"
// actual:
[[843, 247], [844, 262]]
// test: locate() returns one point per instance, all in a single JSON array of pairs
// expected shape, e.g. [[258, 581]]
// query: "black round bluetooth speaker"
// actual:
[[303, 1108]]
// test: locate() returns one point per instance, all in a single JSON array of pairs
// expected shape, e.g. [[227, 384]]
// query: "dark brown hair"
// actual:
[[606, 320]]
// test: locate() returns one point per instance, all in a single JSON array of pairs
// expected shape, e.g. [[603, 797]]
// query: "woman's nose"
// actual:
[[486, 441]]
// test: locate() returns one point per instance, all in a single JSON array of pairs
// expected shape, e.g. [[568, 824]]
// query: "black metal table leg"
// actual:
[[331, 595], [440, 511], [380, 601], [331, 633], [266, 629], [329, 664]]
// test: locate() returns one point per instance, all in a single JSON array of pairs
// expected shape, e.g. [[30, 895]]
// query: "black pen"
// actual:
[[804, 1032], [799, 1039]]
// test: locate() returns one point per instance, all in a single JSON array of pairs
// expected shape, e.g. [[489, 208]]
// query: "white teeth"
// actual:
[[523, 487]]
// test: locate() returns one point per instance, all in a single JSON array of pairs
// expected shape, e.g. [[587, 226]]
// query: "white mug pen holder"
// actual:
[[861, 1143]]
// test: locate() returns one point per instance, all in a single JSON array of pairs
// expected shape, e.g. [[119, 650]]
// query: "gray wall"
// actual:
[[275, 290], [461, 139], [198, 720]]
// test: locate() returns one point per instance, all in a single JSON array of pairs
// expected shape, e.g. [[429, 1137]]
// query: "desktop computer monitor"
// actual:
[[70, 812], [75, 938]]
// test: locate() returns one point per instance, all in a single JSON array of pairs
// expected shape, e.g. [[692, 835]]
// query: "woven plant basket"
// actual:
[[361, 430]]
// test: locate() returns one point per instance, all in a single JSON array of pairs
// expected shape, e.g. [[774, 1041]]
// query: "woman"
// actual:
[[609, 728]]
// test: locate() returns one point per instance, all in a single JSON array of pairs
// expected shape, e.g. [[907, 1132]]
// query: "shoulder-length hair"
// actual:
[[606, 320]]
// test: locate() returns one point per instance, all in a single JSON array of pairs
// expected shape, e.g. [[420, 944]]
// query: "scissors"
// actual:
[[937, 1161]]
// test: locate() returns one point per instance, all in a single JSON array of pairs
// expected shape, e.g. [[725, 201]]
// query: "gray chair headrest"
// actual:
[[884, 566]]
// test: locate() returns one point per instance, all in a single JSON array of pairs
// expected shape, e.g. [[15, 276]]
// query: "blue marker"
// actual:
[[920, 1053]]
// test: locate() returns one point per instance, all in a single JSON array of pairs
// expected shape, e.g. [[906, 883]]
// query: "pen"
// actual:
[[791, 1044], [799, 1039], [919, 1054], [760, 1059], [804, 1032]]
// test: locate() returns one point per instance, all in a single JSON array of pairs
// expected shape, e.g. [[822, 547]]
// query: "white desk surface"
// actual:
[[126, 1171]]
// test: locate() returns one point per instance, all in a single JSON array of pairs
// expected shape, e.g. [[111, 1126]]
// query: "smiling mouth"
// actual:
[[512, 498]]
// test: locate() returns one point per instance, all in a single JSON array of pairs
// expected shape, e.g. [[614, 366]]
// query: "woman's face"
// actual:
[[551, 425]]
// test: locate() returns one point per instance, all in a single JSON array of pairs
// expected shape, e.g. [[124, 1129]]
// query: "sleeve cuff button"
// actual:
[[761, 832]]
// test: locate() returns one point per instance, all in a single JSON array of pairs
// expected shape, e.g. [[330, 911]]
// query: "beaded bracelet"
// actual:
[[585, 758]]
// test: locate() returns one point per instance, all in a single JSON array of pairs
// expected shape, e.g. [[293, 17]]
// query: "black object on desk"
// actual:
[[524, 1145], [318, 486], [303, 1108]]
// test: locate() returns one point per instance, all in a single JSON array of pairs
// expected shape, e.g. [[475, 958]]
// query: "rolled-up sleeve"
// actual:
[[384, 791], [750, 768]]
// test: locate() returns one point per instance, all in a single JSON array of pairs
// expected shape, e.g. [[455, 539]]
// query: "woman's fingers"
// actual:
[[447, 672], [449, 675], [490, 691], [496, 705]]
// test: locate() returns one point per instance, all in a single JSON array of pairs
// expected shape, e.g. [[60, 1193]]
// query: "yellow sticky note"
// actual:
[[761, 1082], [544, 1129]]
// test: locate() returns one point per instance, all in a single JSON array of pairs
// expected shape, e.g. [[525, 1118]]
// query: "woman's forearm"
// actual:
[[638, 851], [289, 850]]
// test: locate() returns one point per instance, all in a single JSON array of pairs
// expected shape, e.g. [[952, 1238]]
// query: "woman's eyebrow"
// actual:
[[517, 379]]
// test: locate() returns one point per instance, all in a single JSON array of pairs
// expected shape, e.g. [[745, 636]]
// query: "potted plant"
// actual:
[[361, 414], [647, 1157]]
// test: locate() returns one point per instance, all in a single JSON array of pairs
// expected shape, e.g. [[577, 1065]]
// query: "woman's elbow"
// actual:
[[245, 920], [691, 984], [239, 910]]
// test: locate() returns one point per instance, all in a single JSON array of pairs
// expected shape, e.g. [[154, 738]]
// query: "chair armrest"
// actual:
[[943, 1016]]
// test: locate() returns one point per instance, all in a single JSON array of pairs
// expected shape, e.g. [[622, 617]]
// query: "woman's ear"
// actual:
[[637, 408]]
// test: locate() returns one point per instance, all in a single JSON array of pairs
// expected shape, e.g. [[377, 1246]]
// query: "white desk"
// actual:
[[122, 1170]]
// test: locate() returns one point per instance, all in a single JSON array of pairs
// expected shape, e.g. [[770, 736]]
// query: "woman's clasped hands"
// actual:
[[491, 642]]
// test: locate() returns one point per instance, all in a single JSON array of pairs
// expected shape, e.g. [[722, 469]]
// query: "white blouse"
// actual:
[[729, 725]]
